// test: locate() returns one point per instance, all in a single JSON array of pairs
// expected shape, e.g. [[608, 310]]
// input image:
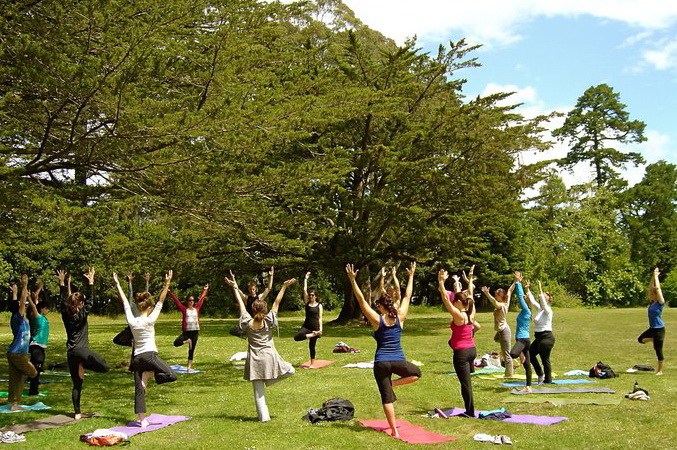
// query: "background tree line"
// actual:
[[205, 136]]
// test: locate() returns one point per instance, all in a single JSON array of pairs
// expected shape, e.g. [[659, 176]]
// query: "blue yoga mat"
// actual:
[[5, 409], [577, 381]]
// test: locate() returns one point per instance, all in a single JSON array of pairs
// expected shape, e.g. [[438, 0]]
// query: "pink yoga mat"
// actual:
[[318, 364], [156, 421], [516, 418], [409, 433]]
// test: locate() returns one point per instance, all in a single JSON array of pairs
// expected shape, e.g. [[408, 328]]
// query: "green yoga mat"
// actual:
[[24, 394], [565, 401], [564, 390]]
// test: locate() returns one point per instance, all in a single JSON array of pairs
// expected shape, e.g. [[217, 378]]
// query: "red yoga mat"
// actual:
[[409, 433], [318, 364]]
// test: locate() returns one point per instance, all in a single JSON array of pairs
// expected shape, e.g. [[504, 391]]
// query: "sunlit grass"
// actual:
[[223, 411]]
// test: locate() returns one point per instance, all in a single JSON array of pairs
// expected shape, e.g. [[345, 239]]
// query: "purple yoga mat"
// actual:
[[156, 421], [516, 418]]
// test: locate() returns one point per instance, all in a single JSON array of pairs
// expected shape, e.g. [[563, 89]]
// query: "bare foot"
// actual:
[[16, 407], [77, 416], [526, 389], [144, 423], [189, 341], [394, 433], [659, 373]]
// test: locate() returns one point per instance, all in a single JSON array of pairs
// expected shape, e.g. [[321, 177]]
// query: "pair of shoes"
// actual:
[[500, 439], [10, 437]]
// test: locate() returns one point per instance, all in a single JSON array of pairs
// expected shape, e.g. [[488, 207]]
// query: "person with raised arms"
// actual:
[[544, 339], [146, 362], [75, 309], [40, 337], [312, 326], [17, 353], [190, 324], [389, 359], [264, 365], [251, 297], [656, 331], [522, 332], [503, 335], [460, 304]]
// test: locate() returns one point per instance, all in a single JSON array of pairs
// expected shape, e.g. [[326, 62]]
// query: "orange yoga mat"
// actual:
[[409, 433], [318, 364]]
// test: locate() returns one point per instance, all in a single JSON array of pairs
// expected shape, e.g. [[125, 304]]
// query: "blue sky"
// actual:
[[549, 53]]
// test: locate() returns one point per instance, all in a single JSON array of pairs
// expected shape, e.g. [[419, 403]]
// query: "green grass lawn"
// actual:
[[221, 403]]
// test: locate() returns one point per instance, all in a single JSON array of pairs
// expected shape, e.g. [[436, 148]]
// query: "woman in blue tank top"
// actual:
[[656, 331], [389, 359]]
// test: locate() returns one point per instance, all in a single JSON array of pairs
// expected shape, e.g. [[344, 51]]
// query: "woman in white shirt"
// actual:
[[146, 362], [544, 340]]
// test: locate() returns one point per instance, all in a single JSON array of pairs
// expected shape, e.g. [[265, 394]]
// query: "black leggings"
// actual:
[[658, 336], [522, 346], [301, 335], [38, 360], [192, 335], [543, 343], [384, 370], [90, 361], [463, 360], [149, 362]]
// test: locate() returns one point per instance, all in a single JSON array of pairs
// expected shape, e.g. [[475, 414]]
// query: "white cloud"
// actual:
[[496, 22], [663, 57]]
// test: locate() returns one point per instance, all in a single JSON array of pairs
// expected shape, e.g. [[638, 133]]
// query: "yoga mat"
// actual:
[[483, 370], [24, 394], [183, 369], [409, 433], [361, 365], [319, 363], [59, 420], [42, 381], [39, 406], [576, 381], [516, 418], [563, 390], [565, 401], [156, 421]]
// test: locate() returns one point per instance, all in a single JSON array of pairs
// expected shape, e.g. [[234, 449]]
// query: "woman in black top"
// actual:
[[75, 308], [312, 326]]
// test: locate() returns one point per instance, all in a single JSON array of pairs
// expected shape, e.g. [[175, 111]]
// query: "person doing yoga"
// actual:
[[251, 297], [125, 337], [40, 337], [17, 353], [146, 363], [461, 306], [389, 359], [264, 366], [503, 335], [522, 332], [75, 308], [656, 331], [544, 340], [312, 326], [190, 324]]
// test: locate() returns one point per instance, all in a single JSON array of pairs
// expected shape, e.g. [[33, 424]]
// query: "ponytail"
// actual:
[[386, 301]]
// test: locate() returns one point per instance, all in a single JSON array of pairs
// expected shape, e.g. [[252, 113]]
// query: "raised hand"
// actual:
[[527, 284], [289, 282], [307, 276], [271, 272], [61, 276], [442, 276], [146, 276], [518, 276], [352, 273], [130, 276], [411, 269], [90, 275], [24, 280], [115, 278], [168, 276], [206, 286], [456, 278], [485, 289], [14, 290]]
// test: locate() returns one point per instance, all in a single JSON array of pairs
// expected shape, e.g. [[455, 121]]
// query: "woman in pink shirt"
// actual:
[[190, 324], [461, 306]]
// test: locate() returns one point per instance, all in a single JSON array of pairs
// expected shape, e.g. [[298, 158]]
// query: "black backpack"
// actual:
[[601, 370], [332, 409]]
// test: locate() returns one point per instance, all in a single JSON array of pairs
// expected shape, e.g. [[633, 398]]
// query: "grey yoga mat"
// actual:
[[565, 401], [563, 390]]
